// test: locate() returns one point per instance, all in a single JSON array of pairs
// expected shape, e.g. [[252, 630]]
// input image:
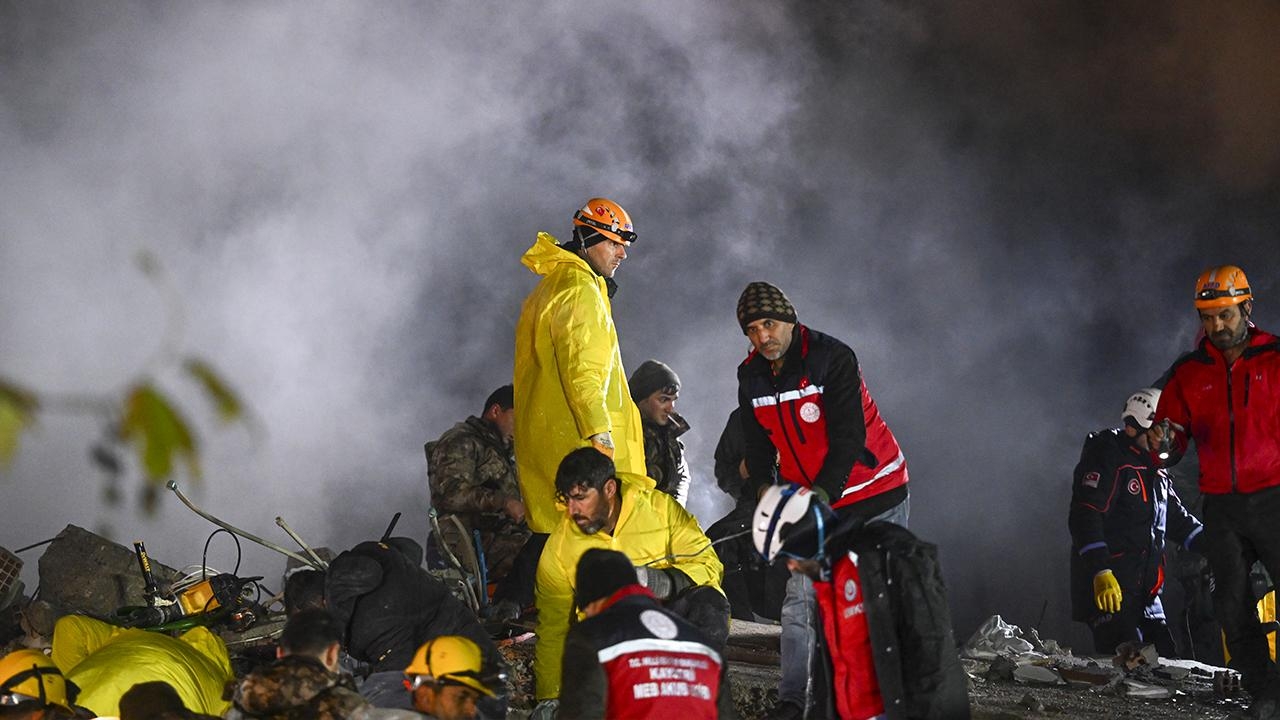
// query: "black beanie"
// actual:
[[762, 300], [651, 376], [600, 574]]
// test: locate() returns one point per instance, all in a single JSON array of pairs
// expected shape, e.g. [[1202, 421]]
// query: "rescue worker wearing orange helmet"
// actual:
[[1225, 395], [570, 387], [32, 686]]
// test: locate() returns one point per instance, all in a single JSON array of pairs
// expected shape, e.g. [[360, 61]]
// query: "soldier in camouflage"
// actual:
[[655, 387], [304, 681], [471, 470]]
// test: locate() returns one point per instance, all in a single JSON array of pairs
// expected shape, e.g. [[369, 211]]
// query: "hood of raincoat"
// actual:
[[569, 380]]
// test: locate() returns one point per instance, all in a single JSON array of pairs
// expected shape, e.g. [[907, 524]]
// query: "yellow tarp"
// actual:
[[105, 661]]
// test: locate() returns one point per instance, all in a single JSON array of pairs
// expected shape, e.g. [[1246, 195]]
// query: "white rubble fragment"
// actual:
[[996, 637]]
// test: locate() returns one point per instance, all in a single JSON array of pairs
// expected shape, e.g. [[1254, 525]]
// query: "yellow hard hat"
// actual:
[[450, 660], [30, 676], [1221, 286]]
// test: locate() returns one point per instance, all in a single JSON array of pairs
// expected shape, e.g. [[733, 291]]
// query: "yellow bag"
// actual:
[[1267, 616]]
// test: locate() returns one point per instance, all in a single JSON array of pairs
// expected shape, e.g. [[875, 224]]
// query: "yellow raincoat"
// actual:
[[569, 381], [652, 527], [105, 661]]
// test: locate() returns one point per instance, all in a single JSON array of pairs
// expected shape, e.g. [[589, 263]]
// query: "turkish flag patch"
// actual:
[[1091, 480]]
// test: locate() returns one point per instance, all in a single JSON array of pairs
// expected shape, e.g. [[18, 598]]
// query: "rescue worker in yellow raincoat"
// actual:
[[620, 511], [570, 387]]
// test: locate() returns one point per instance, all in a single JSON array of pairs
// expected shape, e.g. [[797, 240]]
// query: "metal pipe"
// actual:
[[285, 526], [173, 485]]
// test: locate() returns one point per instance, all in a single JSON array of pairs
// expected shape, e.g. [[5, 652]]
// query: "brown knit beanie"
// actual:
[[762, 300]]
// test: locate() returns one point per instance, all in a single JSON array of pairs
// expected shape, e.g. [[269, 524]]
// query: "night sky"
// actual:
[[1001, 206]]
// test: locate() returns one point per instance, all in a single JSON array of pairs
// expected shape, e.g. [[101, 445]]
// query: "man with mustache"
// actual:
[[615, 510], [1225, 395], [808, 419]]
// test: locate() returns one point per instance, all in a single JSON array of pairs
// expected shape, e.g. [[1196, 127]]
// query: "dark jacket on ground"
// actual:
[[390, 605], [916, 660], [817, 418], [1122, 506], [664, 456], [638, 660], [296, 688]]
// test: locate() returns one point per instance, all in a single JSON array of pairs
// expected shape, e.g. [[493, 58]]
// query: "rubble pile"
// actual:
[[1048, 679]]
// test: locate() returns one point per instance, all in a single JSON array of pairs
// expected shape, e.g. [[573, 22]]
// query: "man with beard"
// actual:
[[655, 387], [808, 420], [614, 510], [570, 387], [1225, 395]]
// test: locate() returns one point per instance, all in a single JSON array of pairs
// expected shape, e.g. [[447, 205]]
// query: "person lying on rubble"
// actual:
[[304, 680], [105, 661], [620, 511], [633, 658], [388, 606], [445, 679], [472, 473], [33, 688], [1123, 506], [883, 607]]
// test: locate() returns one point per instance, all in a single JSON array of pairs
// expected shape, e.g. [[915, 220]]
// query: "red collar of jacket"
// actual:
[[626, 591]]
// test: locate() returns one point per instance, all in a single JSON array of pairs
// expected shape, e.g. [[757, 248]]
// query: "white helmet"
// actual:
[[1141, 408], [790, 520]]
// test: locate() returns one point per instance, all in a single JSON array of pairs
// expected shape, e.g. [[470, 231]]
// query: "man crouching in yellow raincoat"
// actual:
[[570, 387], [620, 511]]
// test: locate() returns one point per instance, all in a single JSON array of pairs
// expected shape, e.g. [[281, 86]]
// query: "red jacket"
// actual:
[[1233, 413], [818, 418], [844, 624]]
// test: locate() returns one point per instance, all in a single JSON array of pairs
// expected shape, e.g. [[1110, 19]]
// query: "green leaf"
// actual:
[[16, 409], [223, 397], [158, 433]]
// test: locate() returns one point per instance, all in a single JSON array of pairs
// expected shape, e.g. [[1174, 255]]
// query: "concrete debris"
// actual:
[[1002, 668], [996, 637], [1133, 688], [1131, 656], [1031, 674], [1092, 674], [1032, 703], [81, 572]]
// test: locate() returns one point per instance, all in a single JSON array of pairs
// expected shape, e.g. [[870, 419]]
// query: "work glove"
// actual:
[[658, 582], [545, 710], [1106, 592], [603, 442]]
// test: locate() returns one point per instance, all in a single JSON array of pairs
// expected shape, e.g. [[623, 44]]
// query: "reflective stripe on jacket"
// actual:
[[569, 379], [818, 416]]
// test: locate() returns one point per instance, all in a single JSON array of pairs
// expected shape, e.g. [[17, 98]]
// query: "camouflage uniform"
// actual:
[[293, 688], [472, 474], [664, 456]]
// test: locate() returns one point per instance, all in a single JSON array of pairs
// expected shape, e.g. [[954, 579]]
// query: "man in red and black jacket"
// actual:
[[1225, 395], [631, 658], [808, 419]]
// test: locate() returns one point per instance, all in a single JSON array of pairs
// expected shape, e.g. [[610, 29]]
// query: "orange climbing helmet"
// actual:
[[602, 219], [1220, 286]]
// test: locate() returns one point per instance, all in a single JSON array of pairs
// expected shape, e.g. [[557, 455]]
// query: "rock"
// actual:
[[81, 572], [1002, 668], [1036, 675], [1032, 703]]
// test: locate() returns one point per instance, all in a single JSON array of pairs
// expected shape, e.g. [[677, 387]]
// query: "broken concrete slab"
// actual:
[[1031, 674], [82, 572]]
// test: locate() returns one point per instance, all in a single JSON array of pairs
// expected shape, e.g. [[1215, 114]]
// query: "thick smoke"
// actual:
[[1000, 206]]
